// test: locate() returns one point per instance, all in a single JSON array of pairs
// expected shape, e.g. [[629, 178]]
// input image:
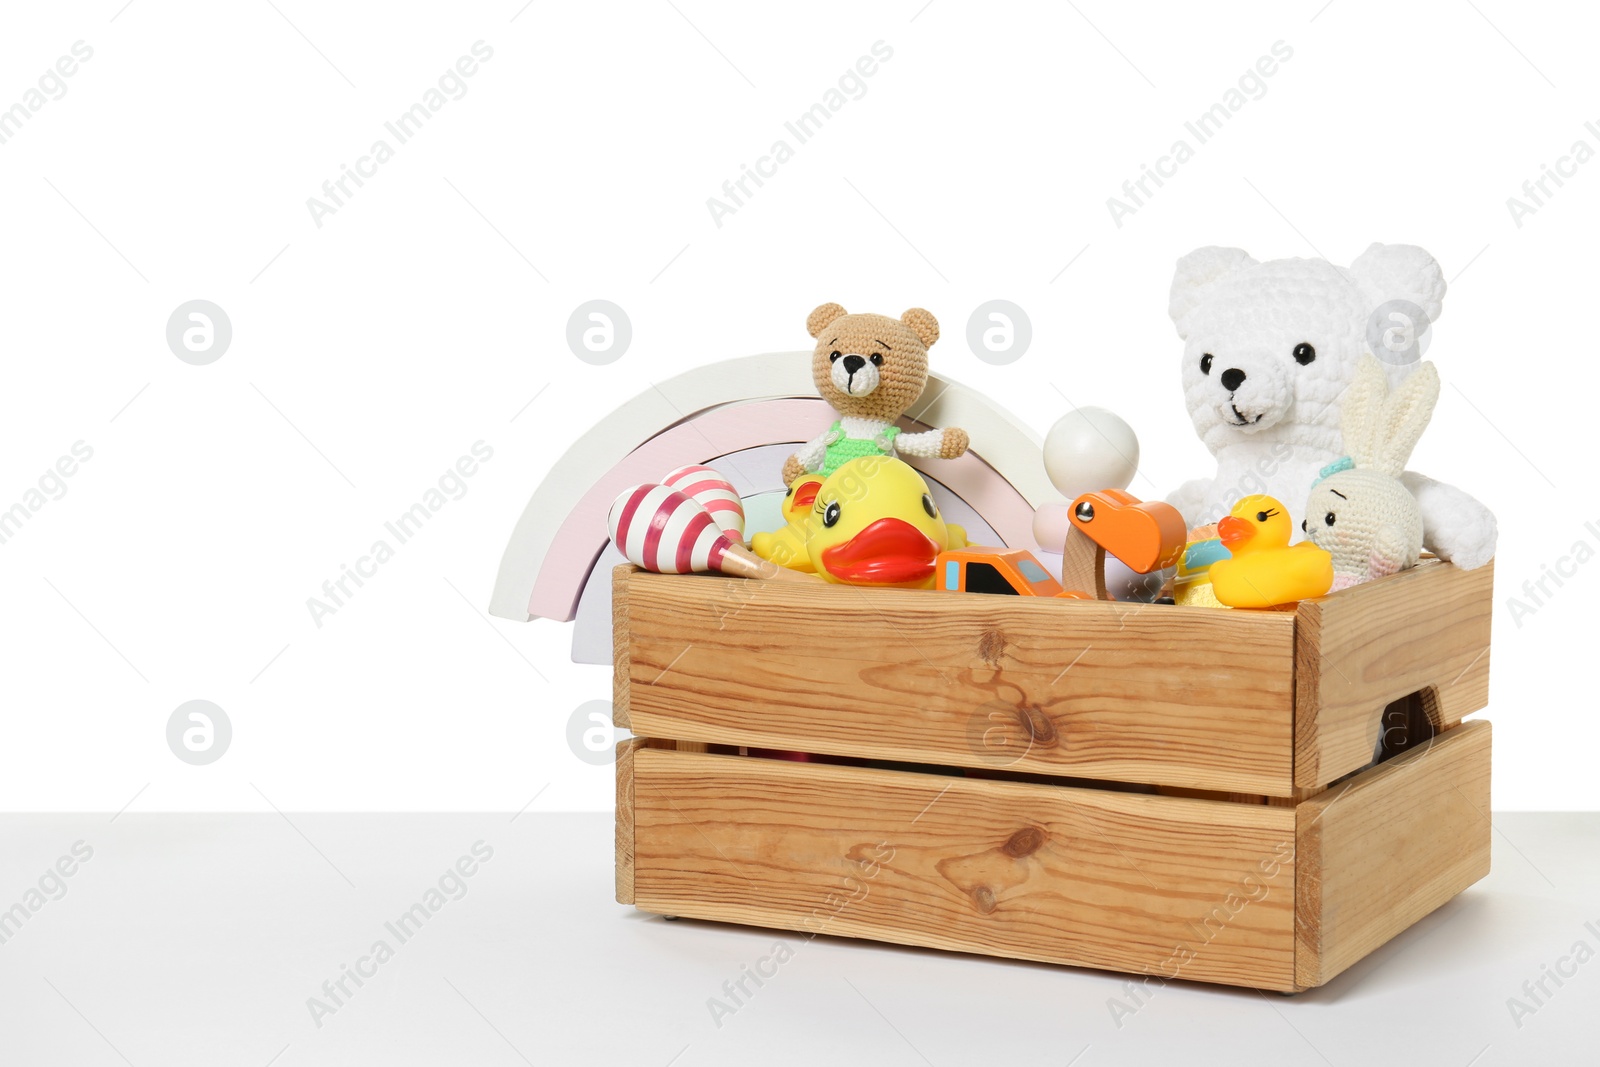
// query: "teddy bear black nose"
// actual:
[[1232, 378], [853, 364]]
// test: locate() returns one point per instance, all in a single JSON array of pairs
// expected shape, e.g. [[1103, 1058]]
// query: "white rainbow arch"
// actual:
[[722, 410]]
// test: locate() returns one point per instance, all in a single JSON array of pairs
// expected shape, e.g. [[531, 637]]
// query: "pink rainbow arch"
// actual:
[[562, 532]]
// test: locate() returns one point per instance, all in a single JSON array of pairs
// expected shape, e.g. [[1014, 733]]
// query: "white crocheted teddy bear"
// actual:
[[1269, 349], [1359, 512]]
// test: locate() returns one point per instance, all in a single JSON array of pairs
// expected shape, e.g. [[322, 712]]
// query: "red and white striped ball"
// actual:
[[711, 491], [662, 530]]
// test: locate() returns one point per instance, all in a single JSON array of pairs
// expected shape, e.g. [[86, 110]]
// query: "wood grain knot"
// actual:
[[1024, 842], [992, 647], [1041, 727], [983, 899]]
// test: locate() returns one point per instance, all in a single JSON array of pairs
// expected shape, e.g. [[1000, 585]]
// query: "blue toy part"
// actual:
[[1202, 554]]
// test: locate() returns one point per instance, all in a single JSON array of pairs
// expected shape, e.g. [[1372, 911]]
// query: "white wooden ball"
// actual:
[[1088, 449]]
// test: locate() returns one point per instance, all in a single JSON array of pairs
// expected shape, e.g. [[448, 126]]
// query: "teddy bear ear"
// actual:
[[923, 324], [1197, 272], [818, 320], [1401, 272]]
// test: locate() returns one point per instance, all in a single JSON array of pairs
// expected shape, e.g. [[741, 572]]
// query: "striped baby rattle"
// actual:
[[662, 530], [713, 492]]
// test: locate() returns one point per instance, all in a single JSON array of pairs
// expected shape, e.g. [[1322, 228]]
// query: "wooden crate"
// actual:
[[1175, 791]]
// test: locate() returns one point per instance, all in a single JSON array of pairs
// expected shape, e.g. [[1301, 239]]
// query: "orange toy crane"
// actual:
[[1145, 535]]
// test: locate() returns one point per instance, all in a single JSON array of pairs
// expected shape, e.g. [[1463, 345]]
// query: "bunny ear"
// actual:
[[1361, 421], [1405, 415]]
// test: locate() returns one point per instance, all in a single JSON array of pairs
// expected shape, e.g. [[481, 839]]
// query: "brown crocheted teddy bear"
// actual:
[[871, 368]]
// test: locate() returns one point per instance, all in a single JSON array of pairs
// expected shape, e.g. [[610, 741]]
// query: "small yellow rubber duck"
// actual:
[[1264, 570], [787, 546]]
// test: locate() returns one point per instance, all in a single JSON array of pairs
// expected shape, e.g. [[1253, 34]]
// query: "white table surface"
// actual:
[[199, 939]]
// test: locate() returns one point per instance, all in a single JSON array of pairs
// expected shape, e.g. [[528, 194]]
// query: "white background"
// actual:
[[368, 354]]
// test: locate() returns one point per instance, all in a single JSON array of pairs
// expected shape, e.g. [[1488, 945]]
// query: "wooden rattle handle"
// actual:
[[740, 562]]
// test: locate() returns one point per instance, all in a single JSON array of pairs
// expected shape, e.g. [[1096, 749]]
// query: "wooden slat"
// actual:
[[1379, 852], [1193, 888], [1157, 694], [1361, 648], [625, 825], [1291, 801], [621, 667]]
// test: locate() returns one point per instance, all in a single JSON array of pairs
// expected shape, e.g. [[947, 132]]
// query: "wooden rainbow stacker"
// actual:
[[1186, 792]]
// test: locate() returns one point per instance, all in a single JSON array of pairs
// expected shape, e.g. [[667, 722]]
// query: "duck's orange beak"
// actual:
[[1235, 531], [887, 552]]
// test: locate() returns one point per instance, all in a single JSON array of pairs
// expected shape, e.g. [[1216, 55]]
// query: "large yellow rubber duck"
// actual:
[[787, 546], [873, 522], [1264, 570]]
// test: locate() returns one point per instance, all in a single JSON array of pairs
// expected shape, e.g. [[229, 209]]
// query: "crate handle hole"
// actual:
[[1405, 723]]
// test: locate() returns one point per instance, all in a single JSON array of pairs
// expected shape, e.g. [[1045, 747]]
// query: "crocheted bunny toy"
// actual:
[[1359, 510], [871, 368]]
